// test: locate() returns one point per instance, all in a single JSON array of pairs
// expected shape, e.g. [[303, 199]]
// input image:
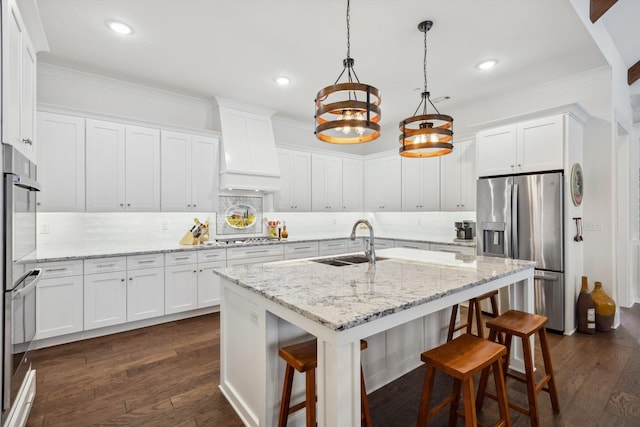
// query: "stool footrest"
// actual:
[[440, 406]]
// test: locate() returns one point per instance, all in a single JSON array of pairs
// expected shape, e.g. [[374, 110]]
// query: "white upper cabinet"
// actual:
[[295, 181], [382, 183], [105, 171], [18, 82], [531, 146], [142, 160], [326, 183], [60, 160], [123, 167], [420, 184], [189, 165], [352, 185], [458, 178]]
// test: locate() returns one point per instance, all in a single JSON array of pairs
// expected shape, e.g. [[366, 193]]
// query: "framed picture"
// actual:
[[577, 184], [239, 215]]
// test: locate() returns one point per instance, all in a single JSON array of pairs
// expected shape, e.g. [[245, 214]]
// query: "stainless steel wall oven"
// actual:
[[19, 245]]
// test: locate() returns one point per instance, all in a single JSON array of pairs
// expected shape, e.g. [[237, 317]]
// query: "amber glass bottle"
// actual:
[[605, 308], [586, 310]]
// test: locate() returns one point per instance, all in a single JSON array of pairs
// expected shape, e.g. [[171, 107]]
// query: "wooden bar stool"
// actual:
[[462, 358], [474, 313], [523, 325], [303, 357]]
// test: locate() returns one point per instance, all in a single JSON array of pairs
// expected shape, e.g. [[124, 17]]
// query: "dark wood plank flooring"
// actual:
[[168, 375]]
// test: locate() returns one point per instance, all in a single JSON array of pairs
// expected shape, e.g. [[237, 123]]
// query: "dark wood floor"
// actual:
[[168, 375]]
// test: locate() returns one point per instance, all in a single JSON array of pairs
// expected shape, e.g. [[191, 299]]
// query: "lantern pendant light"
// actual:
[[426, 135], [348, 112]]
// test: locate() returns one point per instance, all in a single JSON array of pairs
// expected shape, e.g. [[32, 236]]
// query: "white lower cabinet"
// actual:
[[59, 299], [300, 250], [409, 244], [145, 293], [333, 247], [208, 284], [105, 299], [180, 288]]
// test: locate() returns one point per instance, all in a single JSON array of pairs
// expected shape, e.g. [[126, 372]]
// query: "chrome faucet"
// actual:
[[368, 250]]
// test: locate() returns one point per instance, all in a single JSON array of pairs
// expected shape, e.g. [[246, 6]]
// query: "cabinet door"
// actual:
[[28, 98], [60, 163], [458, 178], [175, 182], [390, 182], [326, 183], [411, 184], [430, 182], [295, 181], [105, 299], [105, 171], [540, 144], [13, 31], [352, 185], [59, 306], [145, 293], [180, 288], [497, 151], [204, 174], [142, 154], [469, 181], [208, 284], [283, 199], [372, 185]]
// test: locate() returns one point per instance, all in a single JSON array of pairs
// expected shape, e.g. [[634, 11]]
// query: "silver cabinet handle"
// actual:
[[122, 280], [130, 278], [105, 265], [56, 269], [146, 261], [212, 256], [302, 247], [194, 205], [257, 252], [27, 141], [180, 258]]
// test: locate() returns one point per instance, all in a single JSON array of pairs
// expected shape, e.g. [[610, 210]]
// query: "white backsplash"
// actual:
[[59, 230]]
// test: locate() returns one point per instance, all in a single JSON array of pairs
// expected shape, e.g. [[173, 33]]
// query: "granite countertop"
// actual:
[[109, 249], [343, 297]]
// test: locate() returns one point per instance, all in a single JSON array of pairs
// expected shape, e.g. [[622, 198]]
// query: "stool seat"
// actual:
[[518, 323], [303, 357], [461, 359]]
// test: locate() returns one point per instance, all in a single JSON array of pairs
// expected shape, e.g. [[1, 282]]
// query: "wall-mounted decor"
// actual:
[[577, 184], [239, 215]]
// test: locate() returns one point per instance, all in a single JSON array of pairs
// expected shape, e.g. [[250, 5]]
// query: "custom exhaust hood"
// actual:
[[249, 159]]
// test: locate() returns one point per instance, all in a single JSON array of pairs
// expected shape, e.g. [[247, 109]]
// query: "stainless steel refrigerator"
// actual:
[[521, 217]]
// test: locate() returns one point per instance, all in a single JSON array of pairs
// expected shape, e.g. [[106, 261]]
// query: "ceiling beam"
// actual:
[[634, 73], [597, 8]]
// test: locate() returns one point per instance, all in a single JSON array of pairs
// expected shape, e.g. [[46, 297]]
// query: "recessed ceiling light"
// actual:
[[486, 65], [283, 81], [119, 27]]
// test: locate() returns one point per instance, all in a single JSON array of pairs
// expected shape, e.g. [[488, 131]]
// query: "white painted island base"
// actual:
[[255, 323]]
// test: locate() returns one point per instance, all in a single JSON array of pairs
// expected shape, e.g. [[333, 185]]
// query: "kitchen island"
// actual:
[[268, 305]]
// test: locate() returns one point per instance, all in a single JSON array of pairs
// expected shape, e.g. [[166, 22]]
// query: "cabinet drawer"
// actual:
[[105, 265], [357, 245], [383, 243], [212, 255], [255, 251], [298, 248], [145, 261], [330, 247], [412, 245], [61, 269], [180, 258]]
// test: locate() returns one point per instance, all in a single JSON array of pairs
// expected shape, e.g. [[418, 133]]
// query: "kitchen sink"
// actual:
[[345, 260]]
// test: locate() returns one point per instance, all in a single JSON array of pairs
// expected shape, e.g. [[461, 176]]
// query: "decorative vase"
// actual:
[[605, 308], [586, 310]]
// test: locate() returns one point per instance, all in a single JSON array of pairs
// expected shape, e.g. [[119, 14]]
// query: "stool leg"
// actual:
[[548, 368], [472, 306], [495, 313], [455, 403], [484, 378], [425, 399], [286, 396], [479, 318], [364, 402], [501, 393], [507, 357], [531, 382], [311, 398], [470, 416], [452, 322]]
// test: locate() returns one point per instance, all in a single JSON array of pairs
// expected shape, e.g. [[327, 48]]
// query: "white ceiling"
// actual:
[[235, 48]]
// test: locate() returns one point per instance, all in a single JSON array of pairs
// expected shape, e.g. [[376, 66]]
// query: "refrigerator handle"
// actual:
[[514, 221], [508, 248]]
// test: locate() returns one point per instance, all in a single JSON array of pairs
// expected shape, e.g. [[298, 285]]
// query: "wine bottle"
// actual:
[[586, 310]]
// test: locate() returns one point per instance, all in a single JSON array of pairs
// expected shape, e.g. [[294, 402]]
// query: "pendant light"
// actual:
[[426, 135], [349, 112]]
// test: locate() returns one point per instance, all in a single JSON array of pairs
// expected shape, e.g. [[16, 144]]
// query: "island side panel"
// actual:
[[521, 298]]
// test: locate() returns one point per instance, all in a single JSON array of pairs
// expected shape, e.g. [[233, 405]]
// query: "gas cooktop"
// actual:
[[241, 241]]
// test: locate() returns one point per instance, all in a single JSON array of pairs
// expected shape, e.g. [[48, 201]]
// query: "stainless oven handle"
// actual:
[[31, 286]]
